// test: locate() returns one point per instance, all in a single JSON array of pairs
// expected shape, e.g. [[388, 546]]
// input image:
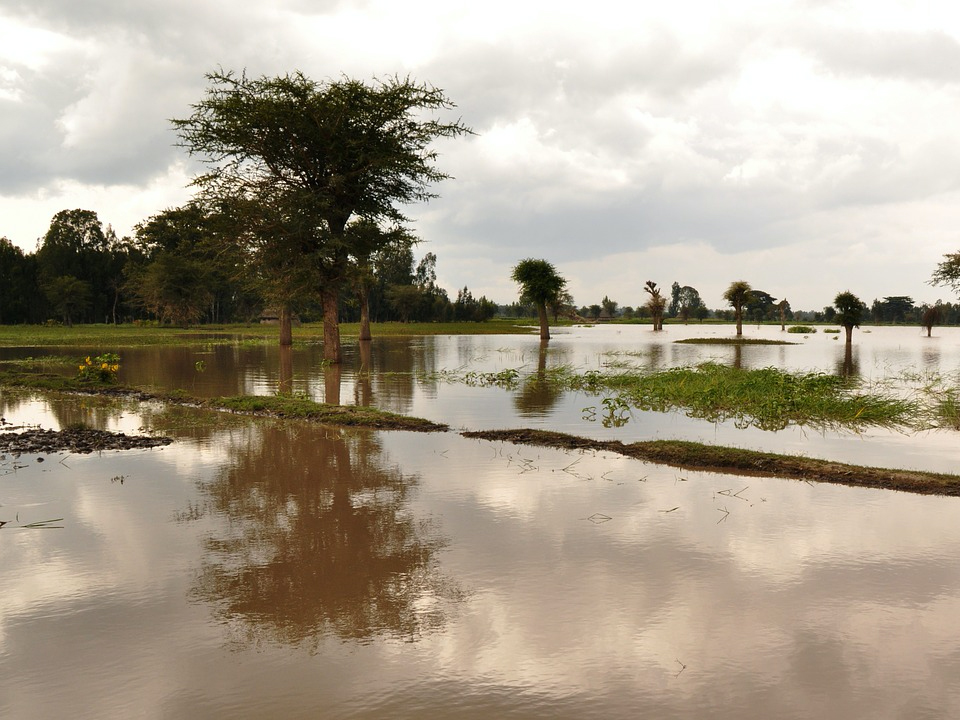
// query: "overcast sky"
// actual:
[[806, 147]]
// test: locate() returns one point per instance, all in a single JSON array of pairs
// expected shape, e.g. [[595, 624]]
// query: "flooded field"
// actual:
[[263, 569]]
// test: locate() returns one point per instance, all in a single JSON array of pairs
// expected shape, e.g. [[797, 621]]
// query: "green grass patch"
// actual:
[[832, 331], [768, 398], [802, 329]]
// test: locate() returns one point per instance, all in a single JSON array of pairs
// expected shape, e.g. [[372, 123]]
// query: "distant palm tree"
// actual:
[[850, 310], [541, 285], [738, 295]]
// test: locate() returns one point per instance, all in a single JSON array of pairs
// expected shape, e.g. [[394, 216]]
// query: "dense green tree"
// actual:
[[367, 238], [894, 309], [69, 296], [77, 246], [317, 154], [684, 301], [470, 309], [609, 306], [168, 288], [18, 285], [540, 284], [850, 311], [738, 295], [761, 306]]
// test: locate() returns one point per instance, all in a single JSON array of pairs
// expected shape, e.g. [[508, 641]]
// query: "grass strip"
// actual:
[[279, 406], [120, 336], [717, 459]]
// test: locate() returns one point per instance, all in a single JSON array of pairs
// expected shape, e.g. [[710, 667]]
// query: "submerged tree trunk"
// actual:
[[331, 326], [739, 314], [849, 329], [544, 321], [286, 326]]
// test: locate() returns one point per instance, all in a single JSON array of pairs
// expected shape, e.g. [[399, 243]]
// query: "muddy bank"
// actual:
[[710, 458], [75, 440]]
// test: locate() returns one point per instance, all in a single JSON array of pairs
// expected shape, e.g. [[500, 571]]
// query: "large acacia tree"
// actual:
[[316, 154]]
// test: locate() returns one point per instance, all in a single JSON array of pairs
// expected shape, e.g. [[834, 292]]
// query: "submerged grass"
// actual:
[[732, 341], [767, 398]]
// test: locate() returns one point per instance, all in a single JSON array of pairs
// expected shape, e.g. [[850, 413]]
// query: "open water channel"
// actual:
[[258, 568]]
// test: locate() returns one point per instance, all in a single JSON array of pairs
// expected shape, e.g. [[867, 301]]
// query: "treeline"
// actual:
[[177, 269], [685, 304]]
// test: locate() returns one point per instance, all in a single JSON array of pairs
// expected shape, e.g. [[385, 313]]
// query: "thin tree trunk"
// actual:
[[331, 326], [364, 297], [544, 321], [849, 329], [739, 323], [286, 326]]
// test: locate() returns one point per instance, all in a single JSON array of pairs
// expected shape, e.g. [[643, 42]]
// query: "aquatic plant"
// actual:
[[102, 368]]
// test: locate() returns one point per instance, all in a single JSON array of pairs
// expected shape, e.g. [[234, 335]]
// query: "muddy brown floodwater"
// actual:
[[257, 568]]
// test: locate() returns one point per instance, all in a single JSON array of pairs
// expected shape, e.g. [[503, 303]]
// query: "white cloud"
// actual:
[[603, 131]]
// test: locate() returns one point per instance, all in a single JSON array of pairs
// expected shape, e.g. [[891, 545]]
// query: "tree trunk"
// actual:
[[286, 327], [364, 297], [849, 329], [544, 321], [331, 326], [739, 314]]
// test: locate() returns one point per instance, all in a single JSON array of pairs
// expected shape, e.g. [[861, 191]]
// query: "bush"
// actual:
[[802, 329]]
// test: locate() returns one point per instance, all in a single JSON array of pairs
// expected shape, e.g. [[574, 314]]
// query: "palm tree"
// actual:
[[850, 311], [738, 295], [540, 284]]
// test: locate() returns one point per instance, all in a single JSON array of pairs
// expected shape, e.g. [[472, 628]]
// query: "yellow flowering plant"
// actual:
[[102, 368]]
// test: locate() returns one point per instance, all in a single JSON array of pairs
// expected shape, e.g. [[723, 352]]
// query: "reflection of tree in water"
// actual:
[[538, 395], [849, 365], [10, 402], [319, 538]]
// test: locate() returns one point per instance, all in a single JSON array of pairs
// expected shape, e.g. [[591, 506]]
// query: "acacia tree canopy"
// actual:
[[304, 157], [948, 272]]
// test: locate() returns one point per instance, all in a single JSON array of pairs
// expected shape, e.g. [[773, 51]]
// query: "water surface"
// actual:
[[266, 569]]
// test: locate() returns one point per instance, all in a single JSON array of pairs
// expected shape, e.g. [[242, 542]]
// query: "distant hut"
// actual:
[[271, 316]]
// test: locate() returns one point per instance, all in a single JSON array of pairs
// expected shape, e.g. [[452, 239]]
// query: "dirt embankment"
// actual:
[[695, 456]]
